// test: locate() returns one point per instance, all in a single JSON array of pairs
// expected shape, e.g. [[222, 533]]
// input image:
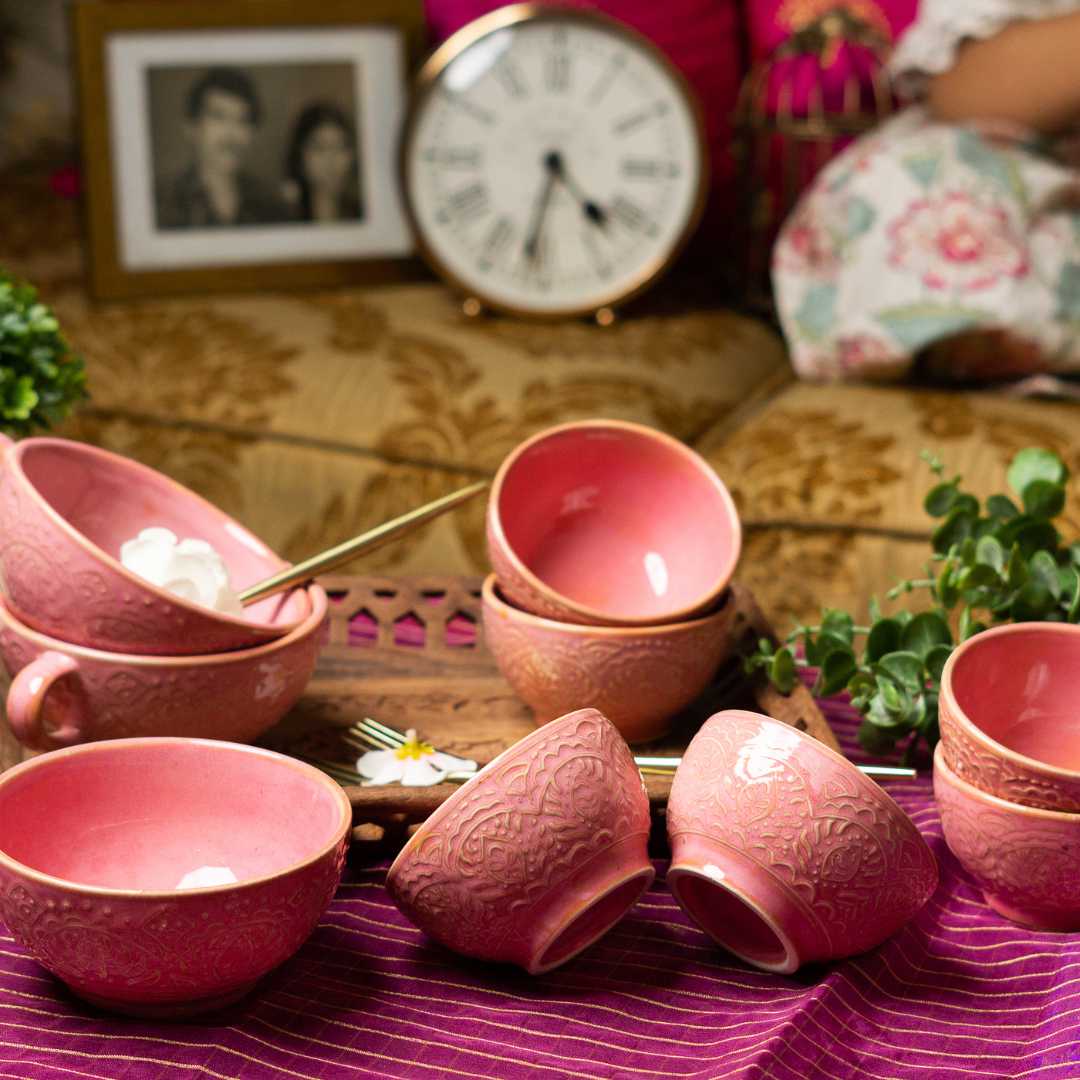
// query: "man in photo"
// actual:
[[214, 190]]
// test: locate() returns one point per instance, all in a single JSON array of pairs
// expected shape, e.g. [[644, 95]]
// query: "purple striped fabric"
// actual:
[[957, 993]]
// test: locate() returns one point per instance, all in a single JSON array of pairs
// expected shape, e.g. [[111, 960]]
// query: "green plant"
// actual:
[[992, 562], [40, 377]]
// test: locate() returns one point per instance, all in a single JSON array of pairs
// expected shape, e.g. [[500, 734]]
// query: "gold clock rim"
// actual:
[[467, 36]]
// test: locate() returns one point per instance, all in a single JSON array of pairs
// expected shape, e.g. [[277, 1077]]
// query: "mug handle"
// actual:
[[26, 704]]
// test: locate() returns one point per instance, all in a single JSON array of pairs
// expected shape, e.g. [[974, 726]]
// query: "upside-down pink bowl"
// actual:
[[1025, 859], [611, 524], [63, 694], [1010, 713], [538, 855], [103, 848], [66, 508], [639, 677], [783, 852]]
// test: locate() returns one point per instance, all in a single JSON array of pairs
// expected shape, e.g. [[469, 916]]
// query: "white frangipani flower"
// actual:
[[415, 764]]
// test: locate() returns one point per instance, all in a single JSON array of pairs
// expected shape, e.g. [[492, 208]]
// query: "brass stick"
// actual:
[[369, 541]]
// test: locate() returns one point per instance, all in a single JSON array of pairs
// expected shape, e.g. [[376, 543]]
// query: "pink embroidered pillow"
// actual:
[[700, 36]]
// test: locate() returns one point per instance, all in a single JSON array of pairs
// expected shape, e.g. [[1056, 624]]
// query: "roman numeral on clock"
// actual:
[[631, 216], [454, 157], [496, 241], [646, 169], [510, 78], [469, 202]]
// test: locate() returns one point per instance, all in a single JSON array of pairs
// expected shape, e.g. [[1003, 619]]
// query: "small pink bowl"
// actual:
[[1010, 713], [103, 847], [538, 855], [640, 678], [784, 852], [611, 524], [66, 509], [1025, 859], [63, 694]]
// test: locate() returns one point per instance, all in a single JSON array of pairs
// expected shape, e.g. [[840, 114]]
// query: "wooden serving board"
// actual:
[[440, 679]]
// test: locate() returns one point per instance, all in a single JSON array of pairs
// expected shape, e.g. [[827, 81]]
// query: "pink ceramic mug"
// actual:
[[1010, 713], [1024, 858], [163, 877], [63, 694], [609, 523], [536, 856], [65, 510], [783, 852], [639, 677]]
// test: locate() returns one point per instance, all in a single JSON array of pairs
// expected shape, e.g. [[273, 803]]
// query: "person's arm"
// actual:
[[1029, 74]]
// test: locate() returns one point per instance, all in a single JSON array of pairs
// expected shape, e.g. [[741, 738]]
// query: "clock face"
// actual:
[[553, 161]]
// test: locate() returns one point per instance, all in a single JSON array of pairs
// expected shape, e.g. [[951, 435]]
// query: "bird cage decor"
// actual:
[[822, 87]]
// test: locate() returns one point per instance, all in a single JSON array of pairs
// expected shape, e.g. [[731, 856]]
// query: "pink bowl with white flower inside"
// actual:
[[164, 877], [66, 510], [783, 852], [538, 855]]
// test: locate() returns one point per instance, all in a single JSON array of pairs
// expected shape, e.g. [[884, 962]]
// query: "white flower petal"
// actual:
[[375, 761], [419, 773], [449, 763]]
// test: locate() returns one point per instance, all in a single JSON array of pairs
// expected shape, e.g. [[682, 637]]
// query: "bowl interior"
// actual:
[[619, 521], [109, 501], [1022, 689], [165, 815]]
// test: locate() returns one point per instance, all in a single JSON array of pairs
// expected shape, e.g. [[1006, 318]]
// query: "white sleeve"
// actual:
[[929, 45]]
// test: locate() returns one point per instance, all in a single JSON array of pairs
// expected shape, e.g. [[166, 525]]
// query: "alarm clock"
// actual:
[[553, 162]]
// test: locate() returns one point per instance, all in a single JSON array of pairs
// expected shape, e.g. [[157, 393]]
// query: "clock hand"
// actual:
[[532, 239], [555, 164]]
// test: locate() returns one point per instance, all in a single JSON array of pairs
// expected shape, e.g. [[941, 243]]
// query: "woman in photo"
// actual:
[[320, 169]]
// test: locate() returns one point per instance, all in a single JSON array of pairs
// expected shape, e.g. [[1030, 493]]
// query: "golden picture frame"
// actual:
[[234, 145]]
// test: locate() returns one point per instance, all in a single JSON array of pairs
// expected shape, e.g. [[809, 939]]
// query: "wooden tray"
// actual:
[[449, 689]]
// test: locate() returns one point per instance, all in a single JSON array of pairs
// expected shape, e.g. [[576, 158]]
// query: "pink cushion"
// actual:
[[700, 36]]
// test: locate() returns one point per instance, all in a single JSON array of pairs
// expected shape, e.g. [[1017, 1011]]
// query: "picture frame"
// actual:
[[234, 145]]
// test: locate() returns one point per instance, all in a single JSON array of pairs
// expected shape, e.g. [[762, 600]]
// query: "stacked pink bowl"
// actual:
[[1007, 769], [612, 546], [97, 651]]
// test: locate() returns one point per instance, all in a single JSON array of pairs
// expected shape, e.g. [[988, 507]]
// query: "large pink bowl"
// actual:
[[1025, 859], [63, 694], [536, 856], [639, 677], [784, 852], [611, 524], [95, 844], [66, 508], [1009, 712]]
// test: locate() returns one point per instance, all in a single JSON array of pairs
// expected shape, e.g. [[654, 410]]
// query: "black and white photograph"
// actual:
[[263, 147], [263, 144]]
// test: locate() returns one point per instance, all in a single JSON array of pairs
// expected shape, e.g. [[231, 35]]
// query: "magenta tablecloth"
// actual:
[[958, 992]]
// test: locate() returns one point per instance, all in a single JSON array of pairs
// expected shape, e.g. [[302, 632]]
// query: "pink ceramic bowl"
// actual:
[[640, 678], [66, 508], [63, 694], [611, 524], [1025, 859], [784, 852], [106, 852], [536, 856], [1010, 713]]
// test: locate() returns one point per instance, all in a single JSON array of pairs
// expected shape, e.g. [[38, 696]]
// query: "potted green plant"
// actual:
[[41, 378]]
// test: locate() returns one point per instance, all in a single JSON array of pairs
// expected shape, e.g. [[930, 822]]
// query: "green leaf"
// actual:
[[1033, 603], [935, 661], [940, 499], [1045, 570], [989, 552], [1001, 507], [818, 648], [875, 610], [1037, 536], [891, 702], [839, 624], [1074, 552], [837, 668], [1016, 573], [979, 576], [1044, 499], [1035, 463], [884, 637], [905, 668], [874, 739], [946, 587], [1070, 591], [782, 670], [957, 527], [924, 632]]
